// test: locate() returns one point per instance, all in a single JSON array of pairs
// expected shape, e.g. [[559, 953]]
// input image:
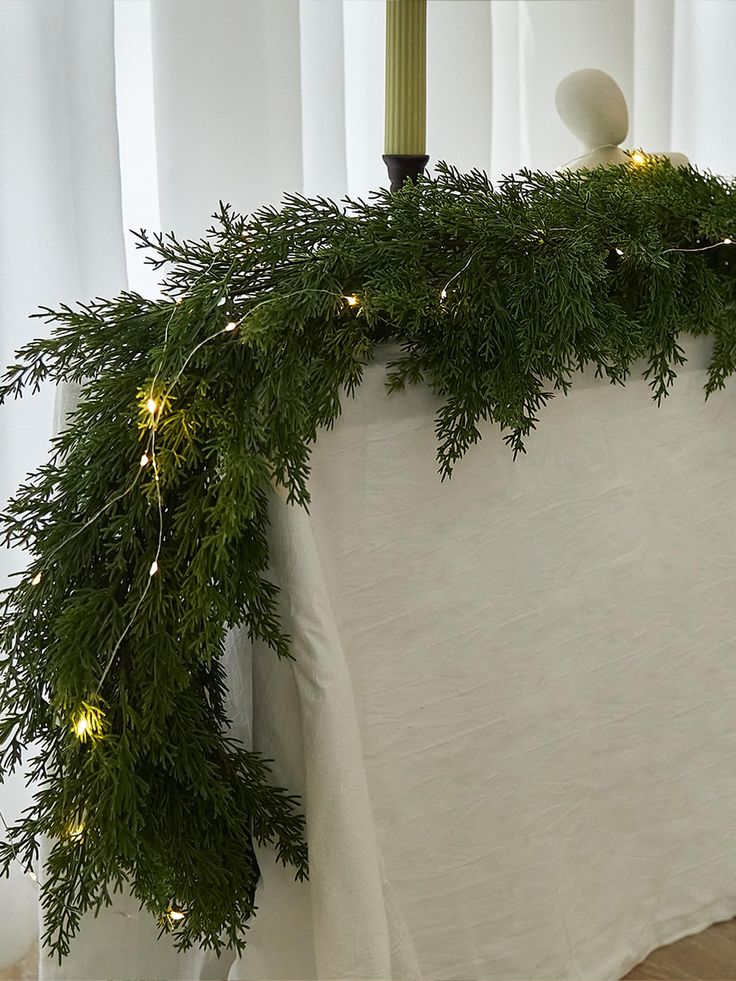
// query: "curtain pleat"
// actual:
[[364, 33], [704, 82], [322, 55], [60, 241], [227, 106], [460, 83], [651, 108]]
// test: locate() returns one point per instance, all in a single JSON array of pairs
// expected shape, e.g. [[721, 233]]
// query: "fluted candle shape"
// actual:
[[406, 76]]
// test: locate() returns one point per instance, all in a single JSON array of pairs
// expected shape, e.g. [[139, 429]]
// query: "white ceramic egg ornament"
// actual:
[[592, 106]]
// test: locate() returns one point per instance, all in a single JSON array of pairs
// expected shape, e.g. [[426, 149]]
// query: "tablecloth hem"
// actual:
[[669, 932]]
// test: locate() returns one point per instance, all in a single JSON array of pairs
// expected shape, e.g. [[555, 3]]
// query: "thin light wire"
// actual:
[[124, 493], [113, 500], [29, 873], [123, 635], [166, 338], [704, 248], [95, 516], [154, 462], [238, 323], [443, 291]]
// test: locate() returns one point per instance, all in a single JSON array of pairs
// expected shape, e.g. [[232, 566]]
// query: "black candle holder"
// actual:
[[404, 167]]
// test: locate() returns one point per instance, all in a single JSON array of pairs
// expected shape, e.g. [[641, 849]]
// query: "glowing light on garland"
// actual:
[[87, 723], [75, 831]]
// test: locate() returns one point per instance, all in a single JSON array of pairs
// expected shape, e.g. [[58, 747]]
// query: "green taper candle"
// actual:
[[406, 76]]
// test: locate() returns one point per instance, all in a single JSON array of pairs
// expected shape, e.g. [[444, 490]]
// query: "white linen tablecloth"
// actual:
[[512, 710], [513, 706]]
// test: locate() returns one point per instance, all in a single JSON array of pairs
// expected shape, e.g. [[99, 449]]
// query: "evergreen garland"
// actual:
[[111, 669]]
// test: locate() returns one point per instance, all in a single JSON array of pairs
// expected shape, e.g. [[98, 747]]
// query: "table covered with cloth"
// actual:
[[511, 712]]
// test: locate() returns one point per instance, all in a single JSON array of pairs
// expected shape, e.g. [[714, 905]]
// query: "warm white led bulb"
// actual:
[[443, 294], [728, 241], [618, 251], [144, 460], [638, 157], [81, 726], [75, 831], [154, 568], [231, 326], [151, 405], [36, 579], [352, 300], [175, 915]]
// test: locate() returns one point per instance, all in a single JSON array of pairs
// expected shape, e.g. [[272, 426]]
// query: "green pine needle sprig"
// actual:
[[112, 687]]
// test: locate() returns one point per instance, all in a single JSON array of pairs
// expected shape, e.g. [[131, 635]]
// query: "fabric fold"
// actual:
[[358, 931]]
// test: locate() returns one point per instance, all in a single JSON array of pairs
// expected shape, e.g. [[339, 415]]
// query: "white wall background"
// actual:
[[155, 110]]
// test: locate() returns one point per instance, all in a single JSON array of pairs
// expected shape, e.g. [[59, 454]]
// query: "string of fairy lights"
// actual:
[[87, 721], [637, 158]]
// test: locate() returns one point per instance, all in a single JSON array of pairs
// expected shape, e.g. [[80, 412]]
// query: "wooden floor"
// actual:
[[26, 970], [708, 956]]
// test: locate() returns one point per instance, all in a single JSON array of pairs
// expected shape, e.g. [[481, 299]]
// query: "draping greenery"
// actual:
[[147, 530]]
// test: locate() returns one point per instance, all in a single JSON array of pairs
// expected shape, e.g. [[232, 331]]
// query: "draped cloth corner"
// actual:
[[305, 719]]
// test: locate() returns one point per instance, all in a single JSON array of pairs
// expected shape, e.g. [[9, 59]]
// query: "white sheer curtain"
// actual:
[[242, 101], [60, 239]]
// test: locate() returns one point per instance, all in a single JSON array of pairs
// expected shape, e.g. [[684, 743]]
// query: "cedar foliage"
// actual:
[[497, 296]]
